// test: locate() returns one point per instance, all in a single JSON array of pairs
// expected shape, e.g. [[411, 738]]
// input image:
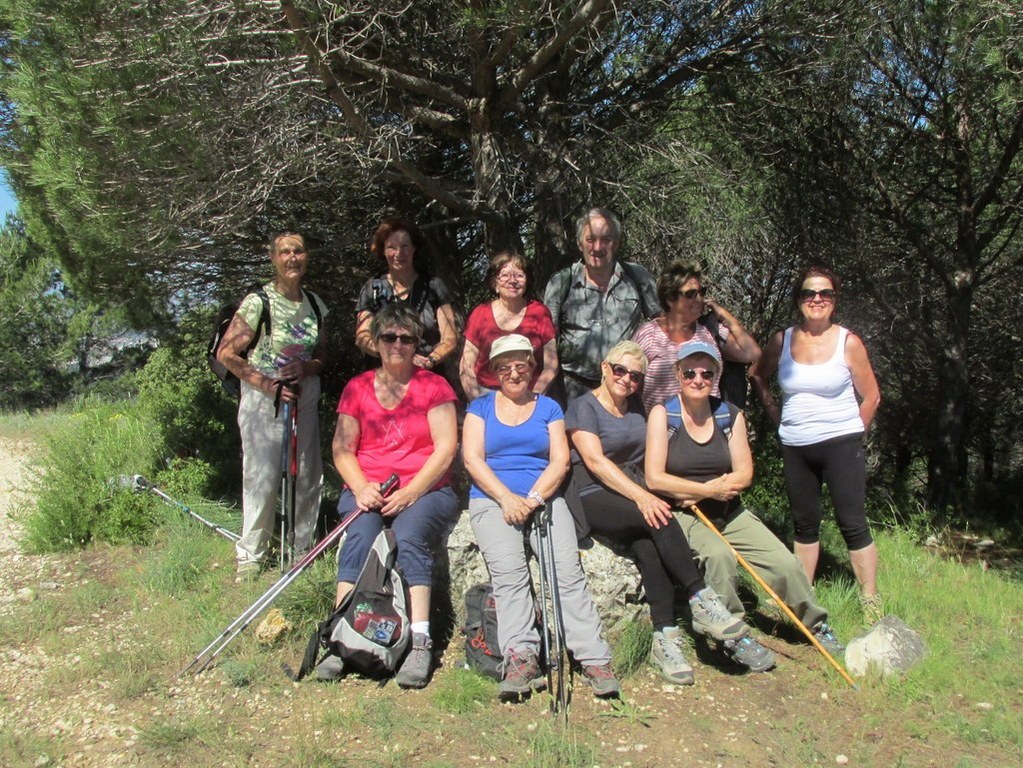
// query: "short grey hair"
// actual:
[[598, 213]]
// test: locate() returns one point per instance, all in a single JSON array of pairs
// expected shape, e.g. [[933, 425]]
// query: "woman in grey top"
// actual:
[[608, 438]]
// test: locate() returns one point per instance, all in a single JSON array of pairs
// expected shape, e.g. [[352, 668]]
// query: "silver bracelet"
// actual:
[[535, 496]]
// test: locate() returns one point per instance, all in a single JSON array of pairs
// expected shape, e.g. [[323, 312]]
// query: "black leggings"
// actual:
[[662, 554], [840, 463]]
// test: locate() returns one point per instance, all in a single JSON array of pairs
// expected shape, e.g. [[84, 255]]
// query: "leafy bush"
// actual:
[[81, 496], [197, 419]]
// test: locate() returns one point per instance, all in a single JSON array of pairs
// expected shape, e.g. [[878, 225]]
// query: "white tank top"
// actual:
[[818, 401]]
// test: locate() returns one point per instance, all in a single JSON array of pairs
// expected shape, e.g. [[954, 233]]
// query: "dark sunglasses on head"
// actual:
[[808, 294], [690, 373], [692, 293], [636, 377], [404, 338]]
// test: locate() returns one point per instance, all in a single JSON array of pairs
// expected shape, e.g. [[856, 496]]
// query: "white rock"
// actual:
[[841, 759]]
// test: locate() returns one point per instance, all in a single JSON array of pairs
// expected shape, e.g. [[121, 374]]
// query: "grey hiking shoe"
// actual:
[[750, 653], [873, 609], [602, 680], [331, 668], [415, 670], [710, 617], [827, 638], [521, 676], [666, 655], [247, 571]]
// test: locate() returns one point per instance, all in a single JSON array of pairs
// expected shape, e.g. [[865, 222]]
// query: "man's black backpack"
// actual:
[[370, 631], [222, 322], [482, 651]]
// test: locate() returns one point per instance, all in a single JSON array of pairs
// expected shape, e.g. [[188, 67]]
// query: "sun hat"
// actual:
[[513, 342], [697, 347]]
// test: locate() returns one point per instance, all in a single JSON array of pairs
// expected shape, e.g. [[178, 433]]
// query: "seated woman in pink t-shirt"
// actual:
[[398, 419], [509, 278]]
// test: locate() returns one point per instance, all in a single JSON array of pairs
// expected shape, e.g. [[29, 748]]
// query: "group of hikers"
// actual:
[[607, 403]]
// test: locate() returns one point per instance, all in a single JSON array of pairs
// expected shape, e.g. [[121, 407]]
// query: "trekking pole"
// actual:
[[285, 555], [208, 654], [292, 482], [774, 596], [552, 616], [138, 483]]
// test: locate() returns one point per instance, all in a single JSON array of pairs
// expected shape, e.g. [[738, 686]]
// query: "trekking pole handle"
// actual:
[[389, 484]]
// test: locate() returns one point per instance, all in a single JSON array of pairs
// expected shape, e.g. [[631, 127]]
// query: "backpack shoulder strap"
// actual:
[[630, 272], [674, 408], [263, 326], [725, 415], [314, 301]]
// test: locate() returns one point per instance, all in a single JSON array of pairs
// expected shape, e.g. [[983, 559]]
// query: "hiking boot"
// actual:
[[331, 668], [602, 680], [827, 638], [750, 653], [710, 617], [415, 670], [873, 609], [521, 675], [666, 655], [247, 571]]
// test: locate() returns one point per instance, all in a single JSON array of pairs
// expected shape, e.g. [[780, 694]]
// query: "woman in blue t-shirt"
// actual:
[[516, 452]]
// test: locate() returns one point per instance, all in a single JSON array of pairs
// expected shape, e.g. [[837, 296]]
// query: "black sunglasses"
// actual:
[[636, 377], [689, 374], [808, 294], [404, 338], [692, 293]]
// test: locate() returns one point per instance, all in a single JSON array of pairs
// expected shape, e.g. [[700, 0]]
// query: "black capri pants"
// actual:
[[840, 463]]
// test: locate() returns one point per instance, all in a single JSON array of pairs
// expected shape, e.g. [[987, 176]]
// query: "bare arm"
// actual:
[[863, 378], [467, 370], [345, 445], [550, 367], [760, 374], [448, 338], [363, 338], [655, 511], [232, 354], [740, 346], [444, 433]]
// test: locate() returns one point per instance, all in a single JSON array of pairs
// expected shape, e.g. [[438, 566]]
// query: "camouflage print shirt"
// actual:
[[589, 322]]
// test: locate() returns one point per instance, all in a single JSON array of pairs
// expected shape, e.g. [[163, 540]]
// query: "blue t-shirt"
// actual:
[[517, 455]]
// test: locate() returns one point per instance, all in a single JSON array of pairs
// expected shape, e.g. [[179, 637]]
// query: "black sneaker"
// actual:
[[750, 653]]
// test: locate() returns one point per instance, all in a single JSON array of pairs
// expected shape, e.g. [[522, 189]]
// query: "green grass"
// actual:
[[631, 648], [463, 692], [22, 748]]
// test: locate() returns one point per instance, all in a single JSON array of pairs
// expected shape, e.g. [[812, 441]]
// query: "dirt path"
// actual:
[[90, 691]]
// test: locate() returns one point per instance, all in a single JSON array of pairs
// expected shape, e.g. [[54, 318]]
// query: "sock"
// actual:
[[422, 627]]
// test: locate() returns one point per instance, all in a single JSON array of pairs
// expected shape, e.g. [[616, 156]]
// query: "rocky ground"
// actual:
[[58, 707]]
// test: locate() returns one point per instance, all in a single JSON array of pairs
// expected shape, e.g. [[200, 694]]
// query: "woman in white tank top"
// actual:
[[829, 398]]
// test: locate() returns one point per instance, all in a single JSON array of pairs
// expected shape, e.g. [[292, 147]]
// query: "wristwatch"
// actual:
[[535, 496]]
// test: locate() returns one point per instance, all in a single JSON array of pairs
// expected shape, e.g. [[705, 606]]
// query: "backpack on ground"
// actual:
[[482, 650], [222, 322], [724, 412], [370, 631]]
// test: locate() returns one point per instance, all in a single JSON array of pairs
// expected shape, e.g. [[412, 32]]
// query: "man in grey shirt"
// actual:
[[597, 302]]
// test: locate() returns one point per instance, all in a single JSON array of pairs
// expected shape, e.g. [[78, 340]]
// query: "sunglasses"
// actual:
[[405, 338], [808, 294], [636, 377], [691, 373], [522, 369], [692, 293]]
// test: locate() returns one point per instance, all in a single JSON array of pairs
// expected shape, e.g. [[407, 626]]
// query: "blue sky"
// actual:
[[7, 201]]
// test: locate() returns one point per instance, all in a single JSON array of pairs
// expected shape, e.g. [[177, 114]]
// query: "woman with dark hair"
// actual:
[[398, 419], [829, 398], [509, 277], [398, 242], [688, 314], [284, 366]]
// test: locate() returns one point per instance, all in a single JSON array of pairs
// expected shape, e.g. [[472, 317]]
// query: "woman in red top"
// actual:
[[509, 277], [398, 419]]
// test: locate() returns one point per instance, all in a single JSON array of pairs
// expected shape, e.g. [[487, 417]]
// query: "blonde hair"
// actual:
[[627, 347]]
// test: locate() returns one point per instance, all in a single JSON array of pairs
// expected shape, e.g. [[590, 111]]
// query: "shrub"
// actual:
[[80, 495]]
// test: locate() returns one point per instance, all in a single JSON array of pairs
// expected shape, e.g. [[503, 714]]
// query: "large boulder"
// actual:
[[614, 581], [887, 648]]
